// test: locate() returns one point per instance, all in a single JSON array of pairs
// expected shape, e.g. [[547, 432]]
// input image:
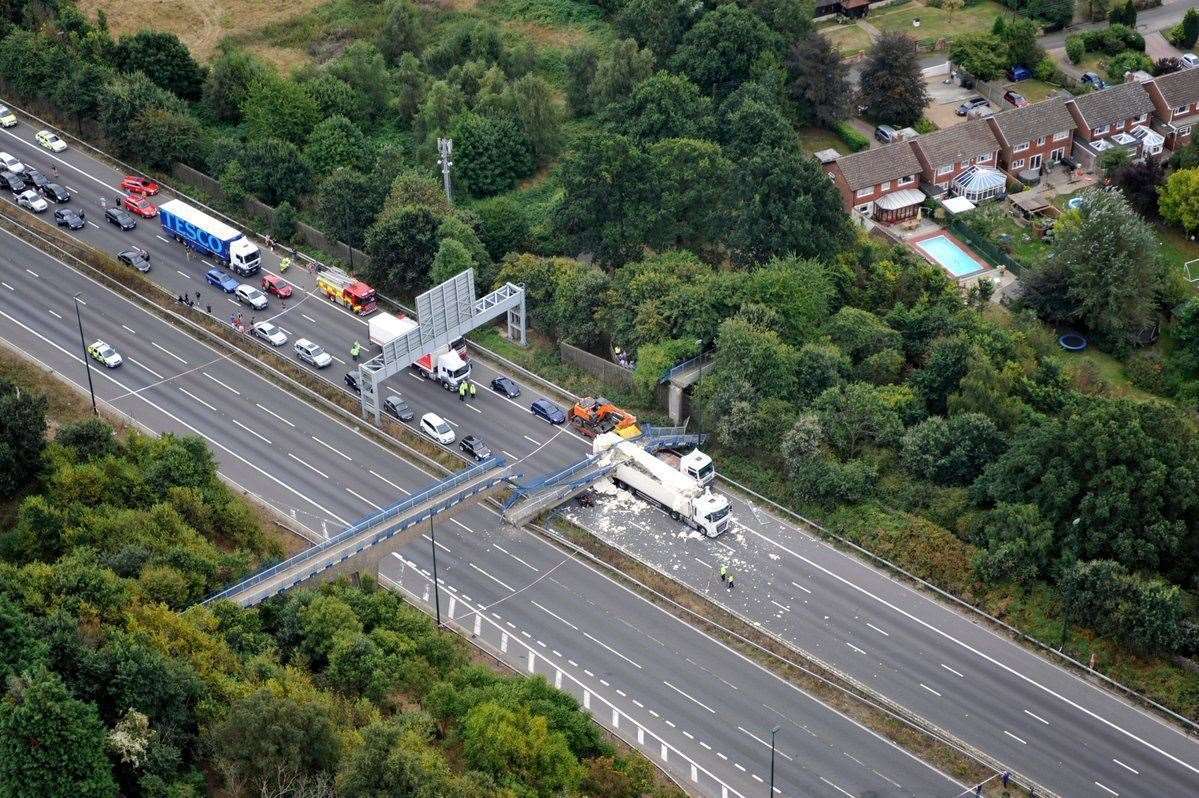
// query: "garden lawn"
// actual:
[[815, 139], [936, 24], [1177, 249], [1033, 90], [849, 39]]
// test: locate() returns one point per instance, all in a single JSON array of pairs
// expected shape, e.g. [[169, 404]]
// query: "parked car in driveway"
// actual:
[[1190, 60], [1015, 98], [221, 279], [69, 218], [32, 201], [1093, 80], [55, 193], [396, 405], [1018, 73], [136, 257], [969, 105], [548, 411], [886, 134], [120, 217]]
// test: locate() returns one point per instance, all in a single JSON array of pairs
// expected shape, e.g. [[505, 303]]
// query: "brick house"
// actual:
[[881, 183], [1034, 136], [947, 153], [1103, 119], [1176, 105]]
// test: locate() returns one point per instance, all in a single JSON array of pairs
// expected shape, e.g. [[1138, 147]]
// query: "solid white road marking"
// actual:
[[443, 548], [951, 670], [780, 606], [233, 391], [130, 329], [931, 690], [167, 351], [596, 640], [505, 585], [6, 285], [509, 454], [1126, 767], [472, 407], [530, 440], [1014, 737], [198, 399], [144, 366], [801, 587], [855, 648], [389, 482], [360, 497], [308, 317], [306, 465], [330, 448], [880, 631], [1106, 788], [689, 698], [1036, 717], [273, 413], [93, 224], [555, 615], [262, 438]]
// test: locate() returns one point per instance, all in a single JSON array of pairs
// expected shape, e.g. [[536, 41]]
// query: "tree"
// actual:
[[691, 179], [275, 108], [283, 226], [79, 92], [160, 137], [402, 244], [860, 334], [1111, 162], [402, 33], [755, 357], [753, 126], [1019, 544], [1019, 37], [581, 65], [516, 744], [504, 226], [337, 142], [954, 450], [162, 58], [1129, 61], [718, 54], [1108, 256], [124, 99], [342, 208], [443, 104], [335, 97], [658, 25], [275, 170], [363, 67], [22, 437], [92, 439], [538, 114], [856, 415], [21, 647], [607, 203], [663, 106], [51, 743], [951, 7], [1056, 14], [783, 203], [267, 742], [451, 259], [892, 86], [490, 155], [228, 82], [980, 54], [615, 76], [1179, 199], [819, 81], [1123, 14], [1190, 27]]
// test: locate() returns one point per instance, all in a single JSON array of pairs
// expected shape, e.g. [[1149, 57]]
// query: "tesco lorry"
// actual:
[[447, 365], [209, 236], [681, 495]]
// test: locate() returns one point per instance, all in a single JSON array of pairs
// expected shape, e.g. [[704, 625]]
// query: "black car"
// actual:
[[473, 445], [505, 387], [35, 178], [67, 217], [352, 381], [398, 408], [55, 193], [12, 182], [121, 218], [136, 257], [1094, 81]]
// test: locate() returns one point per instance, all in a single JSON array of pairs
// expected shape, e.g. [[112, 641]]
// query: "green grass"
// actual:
[[935, 23], [555, 13], [1035, 90], [1177, 249], [814, 139], [848, 39]]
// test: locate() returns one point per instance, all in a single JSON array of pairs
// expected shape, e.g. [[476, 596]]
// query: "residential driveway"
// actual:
[[1157, 47], [943, 114]]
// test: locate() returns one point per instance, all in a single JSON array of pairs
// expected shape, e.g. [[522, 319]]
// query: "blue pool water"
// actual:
[[945, 252]]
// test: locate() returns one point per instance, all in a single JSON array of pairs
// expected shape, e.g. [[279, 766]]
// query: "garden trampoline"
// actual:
[[1072, 342]]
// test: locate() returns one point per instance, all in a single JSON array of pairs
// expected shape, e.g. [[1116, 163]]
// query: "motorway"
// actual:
[[1037, 718], [709, 703]]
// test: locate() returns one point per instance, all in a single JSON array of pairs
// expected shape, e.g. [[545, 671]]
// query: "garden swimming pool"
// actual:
[[946, 252]]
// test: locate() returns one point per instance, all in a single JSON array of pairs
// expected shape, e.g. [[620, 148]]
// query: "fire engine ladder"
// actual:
[[545, 493]]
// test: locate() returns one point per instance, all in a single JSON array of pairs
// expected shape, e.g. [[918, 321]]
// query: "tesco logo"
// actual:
[[190, 231]]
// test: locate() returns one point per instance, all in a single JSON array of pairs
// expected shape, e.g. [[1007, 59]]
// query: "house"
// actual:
[[947, 153], [881, 183], [1103, 115], [1176, 106], [1034, 136]]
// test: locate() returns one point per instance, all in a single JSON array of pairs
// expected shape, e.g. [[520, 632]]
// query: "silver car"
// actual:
[[251, 296], [270, 333], [312, 353]]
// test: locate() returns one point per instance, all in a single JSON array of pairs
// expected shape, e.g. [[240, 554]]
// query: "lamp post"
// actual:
[[87, 366], [773, 732], [436, 593]]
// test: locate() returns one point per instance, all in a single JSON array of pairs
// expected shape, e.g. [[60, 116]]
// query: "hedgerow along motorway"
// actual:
[[1015, 705], [321, 473]]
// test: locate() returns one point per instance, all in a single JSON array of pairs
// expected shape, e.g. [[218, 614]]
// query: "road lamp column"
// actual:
[[436, 592], [773, 732], [87, 366]]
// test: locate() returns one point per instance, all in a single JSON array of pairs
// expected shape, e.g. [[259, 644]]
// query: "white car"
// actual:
[[251, 296], [312, 353], [270, 333], [105, 354], [7, 118], [50, 141], [31, 200], [11, 164], [1190, 59], [436, 428]]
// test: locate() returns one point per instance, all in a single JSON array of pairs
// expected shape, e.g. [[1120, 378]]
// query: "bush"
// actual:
[[1128, 61], [283, 228], [1075, 48], [1045, 70], [924, 126], [852, 138], [1147, 371]]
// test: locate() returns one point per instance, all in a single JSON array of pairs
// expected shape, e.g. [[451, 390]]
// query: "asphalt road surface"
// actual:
[[710, 704], [1037, 718]]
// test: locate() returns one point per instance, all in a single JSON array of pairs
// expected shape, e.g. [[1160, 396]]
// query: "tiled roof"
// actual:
[[1114, 104], [1179, 88], [1033, 121], [958, 144], [871, 167]]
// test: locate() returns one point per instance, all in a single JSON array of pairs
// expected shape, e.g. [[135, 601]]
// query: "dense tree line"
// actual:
[[110, 686]]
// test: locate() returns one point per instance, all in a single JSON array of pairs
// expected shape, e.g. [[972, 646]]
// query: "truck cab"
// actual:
[[712, 514], [698, 466], [244, 257]]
